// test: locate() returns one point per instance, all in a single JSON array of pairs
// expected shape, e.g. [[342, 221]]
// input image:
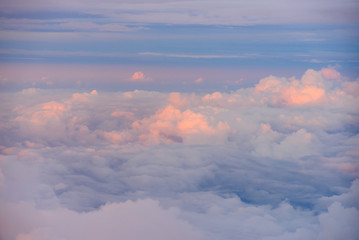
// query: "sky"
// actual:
[[163, 119]]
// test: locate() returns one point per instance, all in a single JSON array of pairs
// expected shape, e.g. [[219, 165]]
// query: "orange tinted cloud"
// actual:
[[113, 136], [181, 100], [291, 91], [50, 112], [193, 123], [84, 97], [54, 106], [213, 96], [170, 124], [302, 95]]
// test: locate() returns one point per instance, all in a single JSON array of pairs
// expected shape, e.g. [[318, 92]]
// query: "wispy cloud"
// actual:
[[204, 56], [48, 53], [226, 12]]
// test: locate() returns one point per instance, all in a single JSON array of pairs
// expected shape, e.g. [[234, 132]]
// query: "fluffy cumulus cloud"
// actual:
[[310, 88], [278, 160]]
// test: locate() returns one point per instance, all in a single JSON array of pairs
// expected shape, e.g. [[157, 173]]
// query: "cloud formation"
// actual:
[[278, 160], [128, 220], [191, 12], [138, 76], [199, 80], [310, 88]]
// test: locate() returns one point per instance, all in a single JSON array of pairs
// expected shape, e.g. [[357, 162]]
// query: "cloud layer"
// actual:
[[274, 161], [227, 12]]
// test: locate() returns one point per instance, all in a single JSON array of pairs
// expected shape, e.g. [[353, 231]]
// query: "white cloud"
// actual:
[[143, 219], [339, 222]]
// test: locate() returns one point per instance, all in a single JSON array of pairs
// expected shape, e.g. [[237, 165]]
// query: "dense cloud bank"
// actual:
[[276, 161]]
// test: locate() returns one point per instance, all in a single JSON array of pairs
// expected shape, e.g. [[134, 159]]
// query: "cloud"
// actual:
[[172, 12], [338, 223], [143, 219], [199, 80], [171, 124], [215, 217], [252, 164], [308, 89], [79, 76], [138, 76], [330, 73], [84, 97], [347, 199], [192, 55], [352, 88], [213, 96]]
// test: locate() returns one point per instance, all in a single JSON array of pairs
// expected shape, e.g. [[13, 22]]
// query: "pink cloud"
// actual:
[[186, 125], [309, 89], [183, 100], [84, 97], [138, 76], [94, 92], [212, 97], [189, 118], [55, 107], [330, 73], [199, 80], [302, 95], [47, 121], [176, 99], [122, 114], [191, 122], [44, 114], [113, 136]]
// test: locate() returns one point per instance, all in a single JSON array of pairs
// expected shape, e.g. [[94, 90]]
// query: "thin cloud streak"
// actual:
[[46, 53], [194, 56], [202, 12]]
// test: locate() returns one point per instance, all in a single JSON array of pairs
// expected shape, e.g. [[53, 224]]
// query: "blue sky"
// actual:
[[248, 41]]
